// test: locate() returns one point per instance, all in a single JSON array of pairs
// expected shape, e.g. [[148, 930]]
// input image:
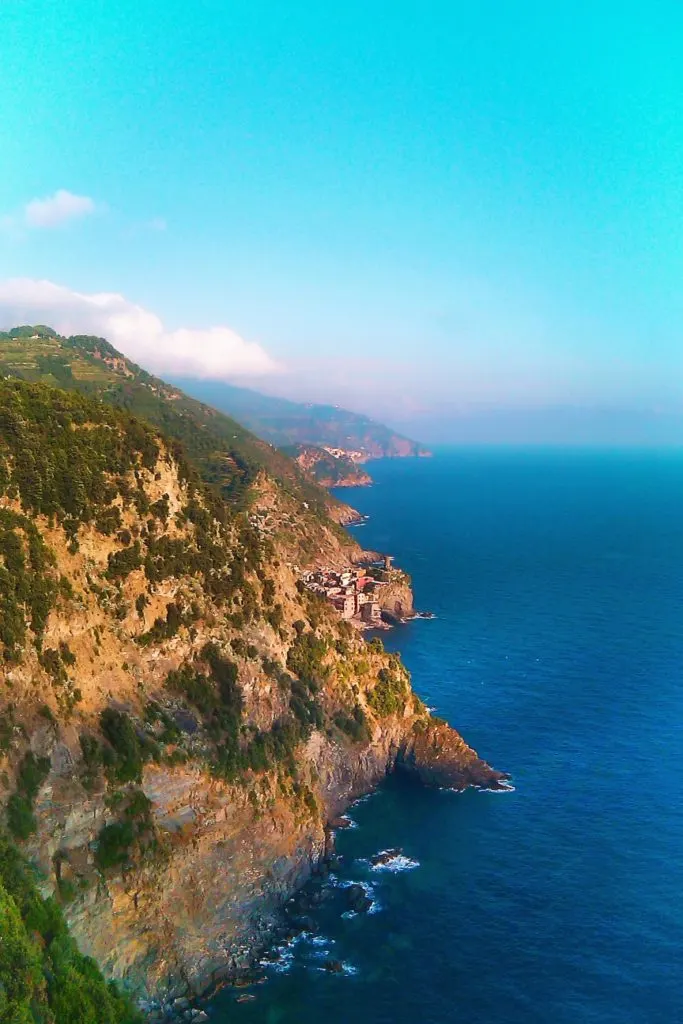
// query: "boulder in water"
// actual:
[[385, 856], [357, 899]]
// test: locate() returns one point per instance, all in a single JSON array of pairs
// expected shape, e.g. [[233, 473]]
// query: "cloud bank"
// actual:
[[217, 352], [57, 209]]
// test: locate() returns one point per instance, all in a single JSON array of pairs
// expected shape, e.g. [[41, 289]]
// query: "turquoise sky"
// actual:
[[422, 209]]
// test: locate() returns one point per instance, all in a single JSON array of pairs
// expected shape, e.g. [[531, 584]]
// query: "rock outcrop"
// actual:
[[396, 597], [331, 468], [438, 756]]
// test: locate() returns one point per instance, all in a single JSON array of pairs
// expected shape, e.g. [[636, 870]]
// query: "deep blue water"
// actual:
[[557, 578]]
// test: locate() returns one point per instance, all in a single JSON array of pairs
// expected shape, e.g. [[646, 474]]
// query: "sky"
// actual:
[[465, 219]]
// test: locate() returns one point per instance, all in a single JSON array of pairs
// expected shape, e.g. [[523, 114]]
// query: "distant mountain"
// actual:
[[285, 423]]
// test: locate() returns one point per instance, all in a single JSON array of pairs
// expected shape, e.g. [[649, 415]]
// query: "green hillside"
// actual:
[[43, 977], [226, 453]]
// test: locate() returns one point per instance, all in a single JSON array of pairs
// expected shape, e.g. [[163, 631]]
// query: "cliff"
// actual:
[[330, 469], [180, 719], [395, 597]]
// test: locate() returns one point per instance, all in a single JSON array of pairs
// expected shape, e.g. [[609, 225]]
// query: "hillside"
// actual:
[[284, 423], [226, 454], [329, 468], [180, 718]]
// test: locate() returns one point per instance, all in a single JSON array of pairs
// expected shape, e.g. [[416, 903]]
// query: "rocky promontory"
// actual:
[[438, 756], [331, 467]]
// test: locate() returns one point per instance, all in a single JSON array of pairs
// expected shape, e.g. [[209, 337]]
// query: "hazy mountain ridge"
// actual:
[[283, 422]]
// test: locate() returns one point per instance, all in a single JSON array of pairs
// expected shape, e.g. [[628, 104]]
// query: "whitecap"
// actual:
[[320, 954], [363, 799], [347, 969], [398, 863], [346, 883], [284, 961]]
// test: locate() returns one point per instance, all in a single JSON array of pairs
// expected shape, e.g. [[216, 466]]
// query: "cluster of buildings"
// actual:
[[352, 592], [345, 453]]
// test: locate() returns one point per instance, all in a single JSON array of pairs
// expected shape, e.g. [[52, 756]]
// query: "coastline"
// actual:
[[435, 755], [429, 751]]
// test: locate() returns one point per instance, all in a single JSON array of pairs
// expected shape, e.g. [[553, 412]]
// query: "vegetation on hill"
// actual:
[[86, 469], [43, 977], [225, 453]]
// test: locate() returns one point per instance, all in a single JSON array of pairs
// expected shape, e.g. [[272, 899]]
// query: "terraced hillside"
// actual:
[[226, 454]]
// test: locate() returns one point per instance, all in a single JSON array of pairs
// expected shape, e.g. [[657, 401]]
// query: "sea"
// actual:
[[556, 579]]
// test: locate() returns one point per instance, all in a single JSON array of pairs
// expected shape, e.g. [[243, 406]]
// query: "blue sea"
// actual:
[[557, 581]]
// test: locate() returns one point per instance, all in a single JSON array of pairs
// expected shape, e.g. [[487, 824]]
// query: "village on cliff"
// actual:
[[356, 592]]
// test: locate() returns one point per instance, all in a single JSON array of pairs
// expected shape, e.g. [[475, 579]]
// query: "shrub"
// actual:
[[20, 817], [355, 725], [32, 773], [122, 563], [116, 840], [194, 686], [389, 694], [113, 845], [306, 656], [160, 509], [118, 729], [108, 520]]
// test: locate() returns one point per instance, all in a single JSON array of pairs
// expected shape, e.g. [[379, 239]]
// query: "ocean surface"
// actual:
[[557, 579]]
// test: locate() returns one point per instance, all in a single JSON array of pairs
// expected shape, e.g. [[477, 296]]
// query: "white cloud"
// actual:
[[57, 209], [216, 352]]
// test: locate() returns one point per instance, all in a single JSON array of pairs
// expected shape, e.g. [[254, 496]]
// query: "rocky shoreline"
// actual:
[[434, 755]]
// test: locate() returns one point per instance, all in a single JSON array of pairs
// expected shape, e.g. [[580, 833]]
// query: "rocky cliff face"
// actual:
[[330, 469], [395, 596], [179, 719], [196, 912]]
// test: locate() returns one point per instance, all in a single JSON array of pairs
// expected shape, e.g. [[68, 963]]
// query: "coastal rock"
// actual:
[[385, 857], [341, 821], [438, 756], [396, 598], [357, 899], [332, 467]]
